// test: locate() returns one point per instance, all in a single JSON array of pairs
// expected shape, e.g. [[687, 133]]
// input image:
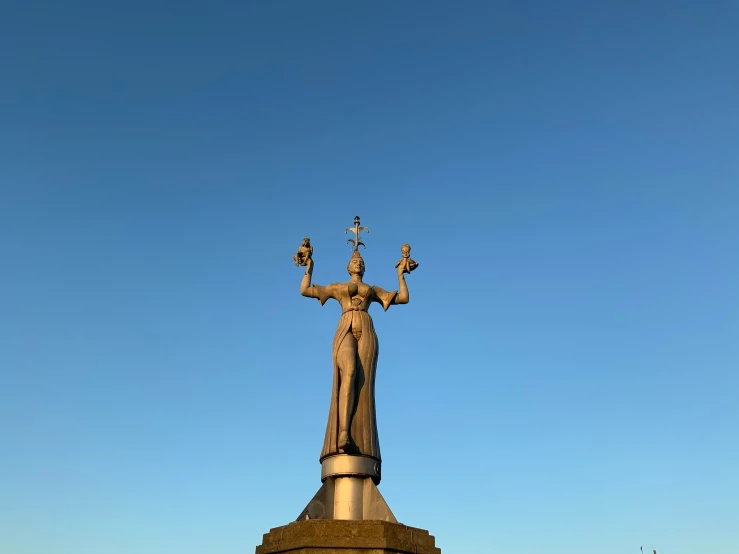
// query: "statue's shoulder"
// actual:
[[334, 288]]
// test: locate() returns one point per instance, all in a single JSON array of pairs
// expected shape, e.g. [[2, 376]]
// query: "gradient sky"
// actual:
[[564, 379]]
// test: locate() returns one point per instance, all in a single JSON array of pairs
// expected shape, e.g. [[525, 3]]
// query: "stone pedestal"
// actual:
[[347, 537]]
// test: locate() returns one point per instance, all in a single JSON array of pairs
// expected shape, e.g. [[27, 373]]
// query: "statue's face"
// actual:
[[356, 266]]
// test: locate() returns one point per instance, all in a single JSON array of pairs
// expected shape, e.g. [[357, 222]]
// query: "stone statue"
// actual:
[[352, 425], [356, 517]]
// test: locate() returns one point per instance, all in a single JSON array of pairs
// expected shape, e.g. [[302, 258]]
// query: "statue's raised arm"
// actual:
[[405, 265], [305, 285]]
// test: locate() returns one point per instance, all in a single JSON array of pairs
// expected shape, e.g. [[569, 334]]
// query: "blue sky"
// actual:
[[564, 378]]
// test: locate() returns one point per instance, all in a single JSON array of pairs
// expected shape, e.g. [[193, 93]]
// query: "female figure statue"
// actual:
[[352, 425]]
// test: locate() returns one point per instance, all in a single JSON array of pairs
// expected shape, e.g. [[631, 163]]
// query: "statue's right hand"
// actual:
[[309, 266]]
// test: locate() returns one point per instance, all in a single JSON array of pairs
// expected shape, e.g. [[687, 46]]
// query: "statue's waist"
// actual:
[[354, 309]]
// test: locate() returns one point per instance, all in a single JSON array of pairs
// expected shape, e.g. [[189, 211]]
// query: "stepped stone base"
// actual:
[[347, 537]]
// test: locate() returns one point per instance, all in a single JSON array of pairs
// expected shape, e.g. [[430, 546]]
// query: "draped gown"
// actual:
[[355, 299]]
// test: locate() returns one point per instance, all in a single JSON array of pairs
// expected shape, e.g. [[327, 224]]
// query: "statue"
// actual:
[[304, 253], [355, 515], [350, 458], [352, 425]]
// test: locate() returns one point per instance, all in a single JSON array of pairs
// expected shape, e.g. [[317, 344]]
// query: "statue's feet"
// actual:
[[346, 444]]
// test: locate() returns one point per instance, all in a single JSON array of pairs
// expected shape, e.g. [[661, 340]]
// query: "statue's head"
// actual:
[[356, 264], [306, 241]]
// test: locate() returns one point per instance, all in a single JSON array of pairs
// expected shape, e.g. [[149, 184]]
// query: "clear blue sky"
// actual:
[[564, 379]]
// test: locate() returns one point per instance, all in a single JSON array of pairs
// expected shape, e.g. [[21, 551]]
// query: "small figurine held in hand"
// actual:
[[304, 253], [406, 264]]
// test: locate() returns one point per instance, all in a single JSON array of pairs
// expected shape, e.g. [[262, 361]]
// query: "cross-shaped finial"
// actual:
[[356, 230]]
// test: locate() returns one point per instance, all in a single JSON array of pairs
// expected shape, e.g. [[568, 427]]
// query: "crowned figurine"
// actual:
[[406, 263], [304, 252]]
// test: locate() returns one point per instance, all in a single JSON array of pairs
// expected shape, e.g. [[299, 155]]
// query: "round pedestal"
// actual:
[[346, 465]]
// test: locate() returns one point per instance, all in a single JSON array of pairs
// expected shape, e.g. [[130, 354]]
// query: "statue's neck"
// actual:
[[355, 278]]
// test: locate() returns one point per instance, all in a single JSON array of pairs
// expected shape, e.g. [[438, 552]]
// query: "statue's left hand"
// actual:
[[402, 266]]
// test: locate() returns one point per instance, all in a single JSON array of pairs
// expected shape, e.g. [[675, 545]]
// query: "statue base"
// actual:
[[348, 498], [349, 491], [347, 537]]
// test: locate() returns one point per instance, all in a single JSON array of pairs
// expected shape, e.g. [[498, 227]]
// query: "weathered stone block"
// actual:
[[347, 537]]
